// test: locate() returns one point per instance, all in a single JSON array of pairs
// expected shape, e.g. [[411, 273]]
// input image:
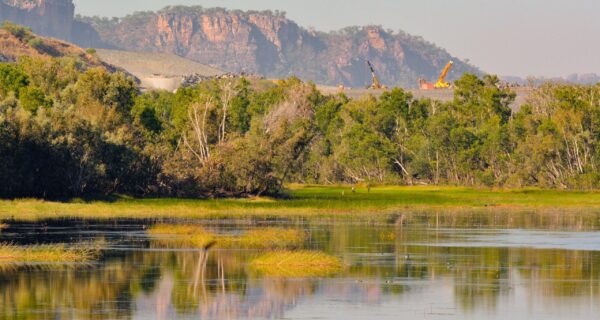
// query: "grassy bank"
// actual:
[[311, 201]]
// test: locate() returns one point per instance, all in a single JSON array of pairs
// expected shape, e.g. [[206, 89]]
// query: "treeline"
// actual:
[[67, 130]]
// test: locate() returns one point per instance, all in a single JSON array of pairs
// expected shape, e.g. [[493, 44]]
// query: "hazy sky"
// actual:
[[506, 37]]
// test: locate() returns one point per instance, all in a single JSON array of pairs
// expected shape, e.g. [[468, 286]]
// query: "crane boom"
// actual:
[[376, 84], [441, 83]]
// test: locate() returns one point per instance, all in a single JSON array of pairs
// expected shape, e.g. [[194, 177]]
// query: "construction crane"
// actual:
[[375, 83], [441, 83]]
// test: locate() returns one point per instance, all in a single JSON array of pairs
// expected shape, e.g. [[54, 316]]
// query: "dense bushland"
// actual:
[[67, 130]]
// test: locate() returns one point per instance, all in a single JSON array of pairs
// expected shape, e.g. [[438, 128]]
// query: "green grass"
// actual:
[[183, 235], [196, 236], [296, 264], [45, 254], [265, 238], [311, 201]]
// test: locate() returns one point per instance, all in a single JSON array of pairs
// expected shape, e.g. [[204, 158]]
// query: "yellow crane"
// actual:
[[441, 83]]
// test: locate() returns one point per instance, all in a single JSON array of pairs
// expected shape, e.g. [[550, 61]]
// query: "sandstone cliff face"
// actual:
[[260, 42], [51, 18], [277, 47]]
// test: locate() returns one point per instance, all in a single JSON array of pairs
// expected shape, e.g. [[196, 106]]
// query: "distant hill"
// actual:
[[270, 44], [263, 42], [156, 70]]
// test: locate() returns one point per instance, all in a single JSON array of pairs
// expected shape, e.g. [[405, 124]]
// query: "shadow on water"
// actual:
[[419, 266]]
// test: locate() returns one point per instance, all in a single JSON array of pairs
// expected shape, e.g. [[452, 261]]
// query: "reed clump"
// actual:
[[198, 237], [296, 264], [46, 254], [183, 235], [265, 238]]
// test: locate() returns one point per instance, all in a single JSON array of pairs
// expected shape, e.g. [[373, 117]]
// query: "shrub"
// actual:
[[12, 79], [32, 98], [21, 32], [37, 44]]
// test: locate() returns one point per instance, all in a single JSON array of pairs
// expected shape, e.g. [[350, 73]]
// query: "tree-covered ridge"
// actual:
[[70, 130]]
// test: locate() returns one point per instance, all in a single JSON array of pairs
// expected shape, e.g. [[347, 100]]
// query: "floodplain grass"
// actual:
[[265, 238], [296, 264], [11, 255], [197, 237], [310, 201], [182, 235]]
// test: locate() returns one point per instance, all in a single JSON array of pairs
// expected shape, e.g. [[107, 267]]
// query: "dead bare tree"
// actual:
[[197, 115], [226, 98]]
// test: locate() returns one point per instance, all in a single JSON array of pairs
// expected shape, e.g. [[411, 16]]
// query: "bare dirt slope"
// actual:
[[156, 70]]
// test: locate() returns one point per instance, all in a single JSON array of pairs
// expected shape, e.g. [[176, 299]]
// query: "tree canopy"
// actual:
[[67, 130]]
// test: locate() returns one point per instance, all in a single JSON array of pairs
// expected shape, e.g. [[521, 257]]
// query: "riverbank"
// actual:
[[311, 201]]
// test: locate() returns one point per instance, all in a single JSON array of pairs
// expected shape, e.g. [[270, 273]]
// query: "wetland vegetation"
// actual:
[[198, 237], [296, 264], [13, 255], [315, 202]]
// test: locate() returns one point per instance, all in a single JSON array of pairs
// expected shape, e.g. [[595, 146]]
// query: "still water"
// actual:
[[470, 267]]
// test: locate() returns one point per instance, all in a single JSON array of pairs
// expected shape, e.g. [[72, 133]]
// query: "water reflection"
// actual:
[[423, 266]]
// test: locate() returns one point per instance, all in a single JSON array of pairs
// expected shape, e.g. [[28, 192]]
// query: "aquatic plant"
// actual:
[[296, 264], [46, 254], [198, 237], [183, 235], [265, 238]]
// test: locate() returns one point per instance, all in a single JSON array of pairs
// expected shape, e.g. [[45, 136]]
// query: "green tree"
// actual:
[[12, 79]]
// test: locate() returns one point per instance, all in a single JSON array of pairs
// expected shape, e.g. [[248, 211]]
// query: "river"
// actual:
[[418, 268]]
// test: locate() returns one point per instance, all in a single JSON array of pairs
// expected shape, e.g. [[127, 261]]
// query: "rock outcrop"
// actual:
[[51, 18], [266, 43], [270, 44]]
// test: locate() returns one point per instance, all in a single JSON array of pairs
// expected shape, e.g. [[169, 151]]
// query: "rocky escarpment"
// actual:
[[270, 44], [51, 18]]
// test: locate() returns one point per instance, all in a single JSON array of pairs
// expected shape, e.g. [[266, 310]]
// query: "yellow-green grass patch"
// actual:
[[265, 238], [197, 237], [178, 236], [296, 264], [309, 201], [45, 254]]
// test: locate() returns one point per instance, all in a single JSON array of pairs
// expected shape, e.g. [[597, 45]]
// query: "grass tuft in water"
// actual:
[[183, 235], [46, 254], [198, 237], [265, 238], [296, 264], [3, 226]]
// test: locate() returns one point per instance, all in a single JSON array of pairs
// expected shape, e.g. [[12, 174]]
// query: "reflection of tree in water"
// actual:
[[480, 275], [577, 220], [86, 293], [215, 285]]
